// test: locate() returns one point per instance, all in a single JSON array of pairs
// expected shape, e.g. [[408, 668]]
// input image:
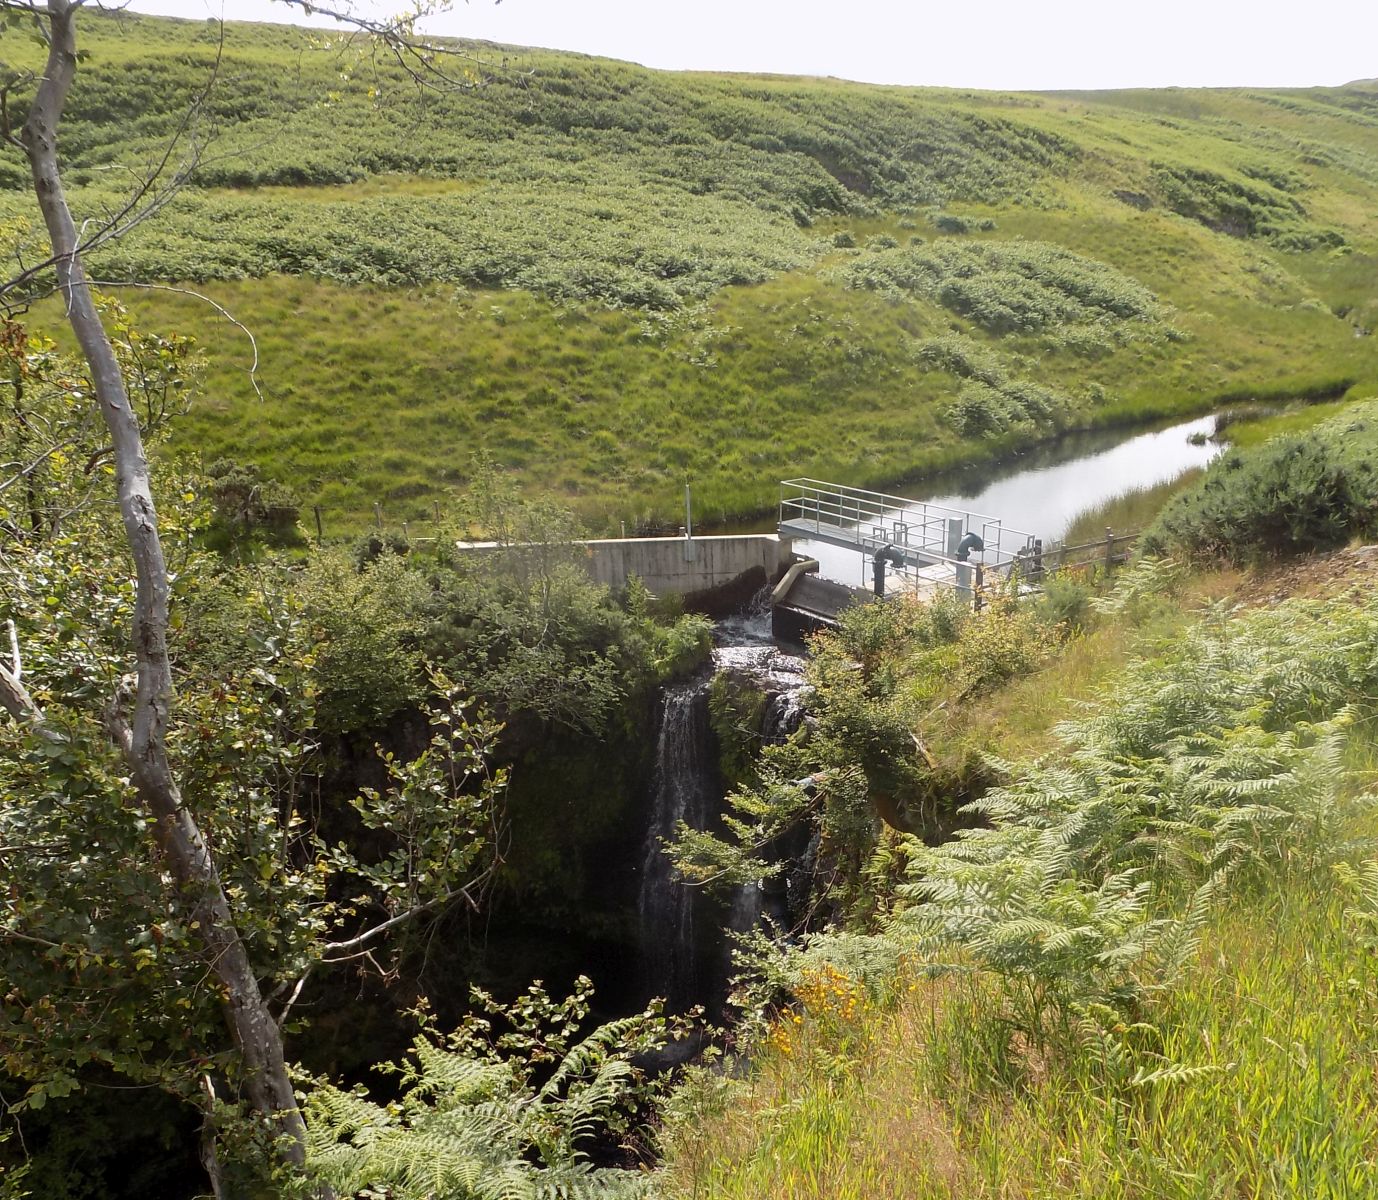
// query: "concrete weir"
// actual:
[[716, 575], [690, 566]]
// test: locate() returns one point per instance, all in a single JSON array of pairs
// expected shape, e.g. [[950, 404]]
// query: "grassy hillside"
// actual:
[[1149, 973], [616, 279]]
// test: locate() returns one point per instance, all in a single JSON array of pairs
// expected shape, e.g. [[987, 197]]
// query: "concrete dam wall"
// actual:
[[682, 566]]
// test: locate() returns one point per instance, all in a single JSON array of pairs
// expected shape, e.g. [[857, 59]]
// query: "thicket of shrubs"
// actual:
[[990, 402], [600, 179], [1014, 287], [1304, 492], [1263, 207]]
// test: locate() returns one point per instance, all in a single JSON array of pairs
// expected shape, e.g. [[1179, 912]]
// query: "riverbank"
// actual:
[[1235, 1058]]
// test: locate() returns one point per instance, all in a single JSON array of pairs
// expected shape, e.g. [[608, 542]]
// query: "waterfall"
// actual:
[[684, 789], [684, 952]]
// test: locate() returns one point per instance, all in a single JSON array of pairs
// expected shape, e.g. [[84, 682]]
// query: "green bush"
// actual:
[[1066, 601], [1264, 207], [950, 223], [1014, 287], [1307, 492]]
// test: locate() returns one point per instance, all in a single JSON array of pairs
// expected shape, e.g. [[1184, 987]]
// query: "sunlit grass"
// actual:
[[924, 1090], [598, 354]]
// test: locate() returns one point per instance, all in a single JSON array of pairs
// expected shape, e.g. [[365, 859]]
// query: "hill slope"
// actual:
[[616, 279]]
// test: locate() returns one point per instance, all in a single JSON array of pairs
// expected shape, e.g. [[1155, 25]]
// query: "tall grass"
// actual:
[[1128, 512], [1277, 1014], [1276, 1017], [1237, 1063]]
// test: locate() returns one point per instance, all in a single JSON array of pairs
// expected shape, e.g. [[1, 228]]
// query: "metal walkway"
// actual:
[[925, 535]]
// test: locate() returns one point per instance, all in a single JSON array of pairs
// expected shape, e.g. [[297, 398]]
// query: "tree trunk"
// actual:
[[143, 739]]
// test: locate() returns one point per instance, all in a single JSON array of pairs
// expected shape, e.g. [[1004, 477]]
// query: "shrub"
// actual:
[[1066, 601], [1015, 287], [950, 223], [1307, 492], [1264, 207], [248, 506]]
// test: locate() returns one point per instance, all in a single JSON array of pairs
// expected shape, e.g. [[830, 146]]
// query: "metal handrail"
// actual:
[[916, 525], [887, 500]]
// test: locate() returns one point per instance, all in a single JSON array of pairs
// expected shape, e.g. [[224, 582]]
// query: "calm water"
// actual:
[[1042, 492]]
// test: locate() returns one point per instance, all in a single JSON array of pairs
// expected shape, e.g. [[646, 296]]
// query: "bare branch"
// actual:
[[130, 215], [14, 935], [220, 308], [425, 60], [16, 700], [339, 951]]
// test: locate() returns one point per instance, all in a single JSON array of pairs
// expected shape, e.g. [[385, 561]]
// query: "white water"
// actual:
[[683, 953]]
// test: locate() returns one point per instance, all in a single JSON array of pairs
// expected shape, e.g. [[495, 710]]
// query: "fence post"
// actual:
[[320, 535], [1109, 548], [978, 597], [378, 515]]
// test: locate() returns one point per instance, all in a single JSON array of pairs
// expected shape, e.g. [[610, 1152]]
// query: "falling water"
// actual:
[[684, 953], [684, 789]]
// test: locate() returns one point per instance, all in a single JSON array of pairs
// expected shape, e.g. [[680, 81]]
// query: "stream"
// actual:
[[1045, 489], [684, 949]]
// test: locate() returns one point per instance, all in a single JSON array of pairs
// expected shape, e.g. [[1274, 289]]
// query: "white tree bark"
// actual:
[[141, 731]]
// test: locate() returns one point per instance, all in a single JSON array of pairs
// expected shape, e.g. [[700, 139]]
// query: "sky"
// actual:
[[999, 44]]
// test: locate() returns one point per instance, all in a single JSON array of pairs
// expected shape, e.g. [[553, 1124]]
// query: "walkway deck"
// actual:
[[925, 535]]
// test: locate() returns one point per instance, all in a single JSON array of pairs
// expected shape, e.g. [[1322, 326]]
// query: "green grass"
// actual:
[[1281, 1005], [617, 280], [1287, 419], [918, 1088], [1127, 513]]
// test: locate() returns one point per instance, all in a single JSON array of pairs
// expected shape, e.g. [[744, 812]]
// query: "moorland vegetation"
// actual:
[[1041, 955], [616, 280]]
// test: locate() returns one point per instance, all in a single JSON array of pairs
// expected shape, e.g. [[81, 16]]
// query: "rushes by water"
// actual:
[[1126, 513]]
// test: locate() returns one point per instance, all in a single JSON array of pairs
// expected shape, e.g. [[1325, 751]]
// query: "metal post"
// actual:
[[954, 535], [979, 596], [320, 535], [965, 575], [690, 550]]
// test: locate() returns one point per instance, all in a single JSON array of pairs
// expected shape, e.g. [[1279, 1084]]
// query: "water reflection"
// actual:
[[1044, 491]]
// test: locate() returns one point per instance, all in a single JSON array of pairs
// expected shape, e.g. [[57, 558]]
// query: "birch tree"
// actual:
[[140, 712]]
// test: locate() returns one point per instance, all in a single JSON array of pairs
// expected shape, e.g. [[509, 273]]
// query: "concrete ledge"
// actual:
[[678, 565], [684, 566]]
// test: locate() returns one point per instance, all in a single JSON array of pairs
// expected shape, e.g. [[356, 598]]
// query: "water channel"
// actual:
[[1042, 491]]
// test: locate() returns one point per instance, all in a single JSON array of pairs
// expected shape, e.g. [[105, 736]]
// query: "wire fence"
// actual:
[[1035, 566]]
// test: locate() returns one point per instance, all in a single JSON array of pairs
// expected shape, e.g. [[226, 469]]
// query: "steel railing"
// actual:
[[870, 520]]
